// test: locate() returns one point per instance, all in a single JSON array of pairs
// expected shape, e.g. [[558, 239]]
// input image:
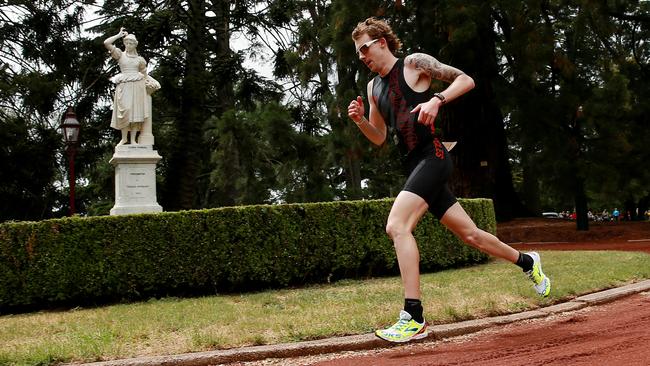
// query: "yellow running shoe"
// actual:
[[542, 284], [406, 329]]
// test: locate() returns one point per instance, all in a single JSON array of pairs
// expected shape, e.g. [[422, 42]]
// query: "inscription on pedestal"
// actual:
[[136, 183], [135, 180]]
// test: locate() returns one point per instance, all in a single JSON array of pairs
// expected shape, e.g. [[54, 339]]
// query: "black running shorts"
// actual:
[[428, 179]]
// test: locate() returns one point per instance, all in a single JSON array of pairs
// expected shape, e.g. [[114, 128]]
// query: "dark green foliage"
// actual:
[[85, 261], [37, 67], [535, 65], [27, 168], [567, 86]]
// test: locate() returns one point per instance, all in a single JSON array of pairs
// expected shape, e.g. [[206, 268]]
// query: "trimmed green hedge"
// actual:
[[82, 261]]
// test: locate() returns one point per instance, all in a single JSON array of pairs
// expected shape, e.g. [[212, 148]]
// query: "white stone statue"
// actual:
[[132, 103]]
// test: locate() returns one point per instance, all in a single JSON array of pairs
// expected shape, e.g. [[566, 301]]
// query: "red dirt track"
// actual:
[[536, 234], [617, 333], [643, 246], [613, 334], [555, 230]]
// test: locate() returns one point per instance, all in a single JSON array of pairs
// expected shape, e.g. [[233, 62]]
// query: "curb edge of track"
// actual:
[[370, 341]]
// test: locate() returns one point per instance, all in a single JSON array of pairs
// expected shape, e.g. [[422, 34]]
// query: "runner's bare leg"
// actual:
[[406, 212], [457, 220]]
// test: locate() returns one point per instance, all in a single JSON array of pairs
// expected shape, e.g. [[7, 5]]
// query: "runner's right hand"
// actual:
[[356, 111]]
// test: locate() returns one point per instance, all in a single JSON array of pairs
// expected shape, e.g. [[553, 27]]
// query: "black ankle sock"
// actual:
[[525, 262], [414, 307]]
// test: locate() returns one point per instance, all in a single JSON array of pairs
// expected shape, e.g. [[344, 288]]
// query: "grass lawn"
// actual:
[[173, 325]]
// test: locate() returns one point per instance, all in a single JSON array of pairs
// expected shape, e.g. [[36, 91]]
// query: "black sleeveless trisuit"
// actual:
[[424, 157]]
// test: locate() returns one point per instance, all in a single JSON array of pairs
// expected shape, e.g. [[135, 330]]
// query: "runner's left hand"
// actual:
[[427, 112]]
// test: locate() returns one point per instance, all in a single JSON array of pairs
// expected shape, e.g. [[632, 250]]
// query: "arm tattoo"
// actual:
[[433, 67]]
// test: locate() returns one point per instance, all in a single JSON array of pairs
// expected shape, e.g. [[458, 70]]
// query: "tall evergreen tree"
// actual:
[[567, 79], [45, 66], [462, 35], [198, 70], [557, 105]]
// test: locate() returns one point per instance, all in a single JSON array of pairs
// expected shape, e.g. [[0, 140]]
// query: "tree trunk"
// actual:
[[582, 219], [346, 150], [186, 161], [352, 163], [530, 189], [644, 204], [225, 85], [628, 209], [475, 121]]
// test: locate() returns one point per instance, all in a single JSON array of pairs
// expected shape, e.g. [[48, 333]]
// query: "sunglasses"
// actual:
[[364, 47]]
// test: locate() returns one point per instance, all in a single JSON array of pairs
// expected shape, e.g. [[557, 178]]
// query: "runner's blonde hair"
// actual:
[[377, 28]]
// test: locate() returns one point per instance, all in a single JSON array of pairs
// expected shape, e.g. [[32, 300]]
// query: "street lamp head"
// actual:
[[70, 127]]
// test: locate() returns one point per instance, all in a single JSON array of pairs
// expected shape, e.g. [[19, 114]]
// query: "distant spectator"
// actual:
[[616, 214]]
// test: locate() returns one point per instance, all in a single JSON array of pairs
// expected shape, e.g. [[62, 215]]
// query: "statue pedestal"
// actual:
[[135, 179]]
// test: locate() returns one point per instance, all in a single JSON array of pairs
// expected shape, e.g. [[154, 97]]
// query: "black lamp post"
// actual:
[[70, 126]]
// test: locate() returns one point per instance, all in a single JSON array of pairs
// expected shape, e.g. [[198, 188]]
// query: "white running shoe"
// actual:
[[542, 284]]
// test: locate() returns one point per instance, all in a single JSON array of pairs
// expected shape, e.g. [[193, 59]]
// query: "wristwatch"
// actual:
[[439, 96]]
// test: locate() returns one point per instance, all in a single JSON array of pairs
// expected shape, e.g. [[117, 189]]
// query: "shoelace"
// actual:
[[532, 277], [400, 325]]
